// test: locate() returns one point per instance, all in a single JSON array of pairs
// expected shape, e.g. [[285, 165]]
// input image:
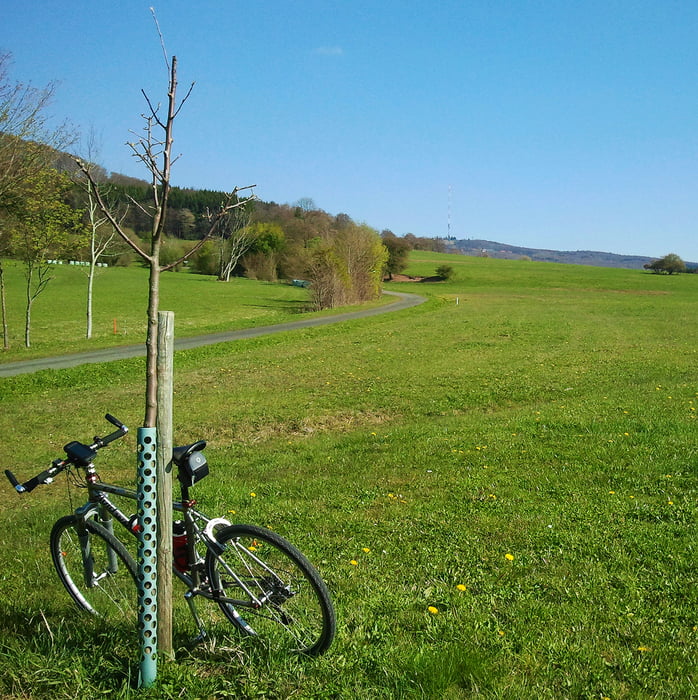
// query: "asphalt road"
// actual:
[[9, 369]]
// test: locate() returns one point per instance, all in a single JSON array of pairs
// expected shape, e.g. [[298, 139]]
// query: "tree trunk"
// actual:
[[28, 310], [90, 281], [151, 378], [5, 337]]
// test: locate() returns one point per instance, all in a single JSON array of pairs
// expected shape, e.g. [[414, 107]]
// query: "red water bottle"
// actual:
[[179, 546]]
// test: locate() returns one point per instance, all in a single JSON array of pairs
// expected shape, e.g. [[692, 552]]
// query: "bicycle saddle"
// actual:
[[180, 454], [191, 463]]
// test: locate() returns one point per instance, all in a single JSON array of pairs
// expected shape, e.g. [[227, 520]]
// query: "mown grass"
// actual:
[[528, 434]]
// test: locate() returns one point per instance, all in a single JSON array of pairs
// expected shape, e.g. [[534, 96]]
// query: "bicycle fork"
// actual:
[[105, 520]]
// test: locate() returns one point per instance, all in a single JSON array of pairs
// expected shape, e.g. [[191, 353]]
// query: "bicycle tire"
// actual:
[[291, 597], [112, 590]]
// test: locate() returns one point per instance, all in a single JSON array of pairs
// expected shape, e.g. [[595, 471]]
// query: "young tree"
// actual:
[[102, 236], [101, 233], [154, 149], [236, 238], [40, 232]]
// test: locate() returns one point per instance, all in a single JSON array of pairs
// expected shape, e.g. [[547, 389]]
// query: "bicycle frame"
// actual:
[[107, 511]]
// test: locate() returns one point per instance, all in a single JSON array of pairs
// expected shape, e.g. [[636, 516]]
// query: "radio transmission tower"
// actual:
[[448, 235]]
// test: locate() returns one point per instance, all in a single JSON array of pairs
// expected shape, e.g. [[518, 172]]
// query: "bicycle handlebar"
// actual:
[[120, 432], [78, 454]]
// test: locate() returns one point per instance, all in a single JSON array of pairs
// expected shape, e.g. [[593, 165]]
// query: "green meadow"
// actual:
[[498, 486]]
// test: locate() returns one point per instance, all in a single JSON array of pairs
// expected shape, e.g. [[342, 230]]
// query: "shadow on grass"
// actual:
[[287, 305], [50, 646], [43, 648]]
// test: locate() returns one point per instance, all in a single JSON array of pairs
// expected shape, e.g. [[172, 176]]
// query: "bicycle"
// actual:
[[260, 581]]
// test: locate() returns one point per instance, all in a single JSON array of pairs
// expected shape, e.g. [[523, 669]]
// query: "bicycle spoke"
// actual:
[[95, 569], [271, 591]]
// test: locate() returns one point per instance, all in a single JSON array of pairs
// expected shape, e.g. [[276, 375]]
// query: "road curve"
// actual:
[[10, 369]]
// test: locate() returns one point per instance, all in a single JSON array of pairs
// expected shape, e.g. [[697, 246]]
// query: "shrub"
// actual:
[[445, 272]]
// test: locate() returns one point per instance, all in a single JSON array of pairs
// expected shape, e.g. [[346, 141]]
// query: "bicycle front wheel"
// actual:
[[267, 588], [95, 568]]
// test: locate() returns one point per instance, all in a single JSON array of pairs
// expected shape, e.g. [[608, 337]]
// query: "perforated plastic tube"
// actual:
[[147, 555]]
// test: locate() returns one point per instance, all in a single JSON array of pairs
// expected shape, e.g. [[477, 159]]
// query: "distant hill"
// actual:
[[492, 249]]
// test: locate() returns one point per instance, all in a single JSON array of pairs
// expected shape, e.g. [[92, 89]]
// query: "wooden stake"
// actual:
[[164, 479]]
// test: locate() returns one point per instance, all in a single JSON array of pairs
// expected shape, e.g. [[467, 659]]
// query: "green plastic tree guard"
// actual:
[[147, 555]]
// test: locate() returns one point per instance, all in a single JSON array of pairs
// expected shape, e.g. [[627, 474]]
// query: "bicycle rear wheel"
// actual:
[[95, 568], [269, 589]]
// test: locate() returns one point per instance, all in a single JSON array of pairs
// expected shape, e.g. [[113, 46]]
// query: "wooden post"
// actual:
[[165, 365]]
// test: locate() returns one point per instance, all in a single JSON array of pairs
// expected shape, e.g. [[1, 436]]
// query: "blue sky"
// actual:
[[553, 124]]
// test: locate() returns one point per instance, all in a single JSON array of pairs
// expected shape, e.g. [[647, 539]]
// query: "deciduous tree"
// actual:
[[236, 237], [101, 234], [398, 253], [41, 231], [669, 264]]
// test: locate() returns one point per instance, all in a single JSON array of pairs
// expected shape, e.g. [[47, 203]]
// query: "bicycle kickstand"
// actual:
[[189, 597]]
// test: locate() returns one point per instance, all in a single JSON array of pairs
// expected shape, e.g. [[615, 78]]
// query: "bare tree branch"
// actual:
[[214, 223], [186, 97], [162, 39], [104, 208]]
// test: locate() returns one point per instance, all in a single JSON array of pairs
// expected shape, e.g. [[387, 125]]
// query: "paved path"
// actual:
[[9, 369]]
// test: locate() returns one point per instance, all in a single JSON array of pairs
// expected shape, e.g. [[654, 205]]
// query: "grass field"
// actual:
[[511, 466]]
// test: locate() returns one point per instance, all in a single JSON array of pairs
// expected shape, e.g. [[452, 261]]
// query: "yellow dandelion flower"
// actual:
[[353, 562], [433, 610], [671, 503], [611, 492], [366, 550], [461, 587], [509, 557], [500, 633], [232, 512], [253, 495]]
